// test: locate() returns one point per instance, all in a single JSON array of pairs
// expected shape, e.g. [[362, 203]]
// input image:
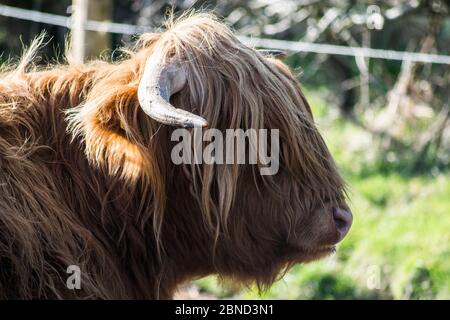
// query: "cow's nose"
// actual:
[[343, 221]]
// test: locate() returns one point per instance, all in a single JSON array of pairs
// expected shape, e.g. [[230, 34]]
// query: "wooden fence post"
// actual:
[[90, 44]]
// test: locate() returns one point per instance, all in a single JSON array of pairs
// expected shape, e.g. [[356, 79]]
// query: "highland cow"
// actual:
[[86, 178]]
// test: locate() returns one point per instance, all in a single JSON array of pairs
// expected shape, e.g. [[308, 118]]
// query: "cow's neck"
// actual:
[[116, 228]]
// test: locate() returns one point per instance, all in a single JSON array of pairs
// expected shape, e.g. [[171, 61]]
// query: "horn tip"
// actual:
[[274, 53], [202, 123], [197, 123]]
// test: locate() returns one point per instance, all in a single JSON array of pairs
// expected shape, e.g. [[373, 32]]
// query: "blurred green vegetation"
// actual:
[[399, 245]]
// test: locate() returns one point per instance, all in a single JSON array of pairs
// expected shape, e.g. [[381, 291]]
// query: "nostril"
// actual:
[[343, 220]]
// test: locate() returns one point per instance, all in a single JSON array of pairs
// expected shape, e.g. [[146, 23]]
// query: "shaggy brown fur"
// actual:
[[86, 177]]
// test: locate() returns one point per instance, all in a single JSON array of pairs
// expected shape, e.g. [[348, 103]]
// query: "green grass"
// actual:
[[399, 245]]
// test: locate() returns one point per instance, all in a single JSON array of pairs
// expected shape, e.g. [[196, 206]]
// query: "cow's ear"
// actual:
[[273, 53]]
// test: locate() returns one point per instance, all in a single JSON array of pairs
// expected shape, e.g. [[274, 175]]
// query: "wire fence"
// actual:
[[291, 46]]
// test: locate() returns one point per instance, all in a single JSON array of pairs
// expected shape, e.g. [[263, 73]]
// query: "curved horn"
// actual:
[[274, 53], [157, 84]]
